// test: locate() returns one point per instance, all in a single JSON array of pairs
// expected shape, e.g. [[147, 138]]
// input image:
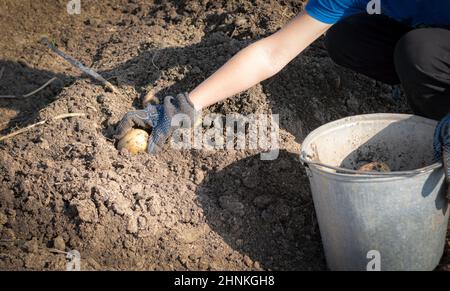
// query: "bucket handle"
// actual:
[[307, 162]]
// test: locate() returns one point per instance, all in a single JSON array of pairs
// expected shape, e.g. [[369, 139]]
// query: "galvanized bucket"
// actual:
[[378, 221]]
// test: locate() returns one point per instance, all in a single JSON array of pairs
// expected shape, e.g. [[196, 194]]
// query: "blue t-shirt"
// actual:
[[410, 12]]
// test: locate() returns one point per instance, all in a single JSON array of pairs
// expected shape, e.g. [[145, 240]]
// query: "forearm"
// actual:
[[246, 69], [258, 61]]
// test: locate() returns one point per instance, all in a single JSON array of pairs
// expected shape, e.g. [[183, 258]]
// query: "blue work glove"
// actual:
[[157, 117], [442, 145]]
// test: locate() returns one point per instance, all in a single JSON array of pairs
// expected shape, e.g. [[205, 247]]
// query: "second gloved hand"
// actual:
[[159, 118], [442, 146]]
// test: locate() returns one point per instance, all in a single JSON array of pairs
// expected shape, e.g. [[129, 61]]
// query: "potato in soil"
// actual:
[[135, 141]]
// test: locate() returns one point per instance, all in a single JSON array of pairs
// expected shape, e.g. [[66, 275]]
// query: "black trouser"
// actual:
[[393, 53]]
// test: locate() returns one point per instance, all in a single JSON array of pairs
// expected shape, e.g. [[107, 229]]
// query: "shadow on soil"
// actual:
[[269, 216]]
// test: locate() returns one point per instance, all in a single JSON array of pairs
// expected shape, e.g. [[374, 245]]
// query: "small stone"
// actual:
[[257, 265], [59, 244]]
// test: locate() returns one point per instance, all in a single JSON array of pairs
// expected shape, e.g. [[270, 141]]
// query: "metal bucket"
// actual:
[[378, 221]]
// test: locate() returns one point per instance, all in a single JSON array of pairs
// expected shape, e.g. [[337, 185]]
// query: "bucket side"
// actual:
[[405, 220]]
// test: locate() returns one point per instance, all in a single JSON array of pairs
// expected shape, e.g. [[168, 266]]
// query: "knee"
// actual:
[[422, 68], [414, 55]]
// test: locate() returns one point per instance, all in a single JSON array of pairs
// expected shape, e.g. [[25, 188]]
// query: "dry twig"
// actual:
[[80, 66], [52, 250], [153, 61], [29, 94], [25, 129]]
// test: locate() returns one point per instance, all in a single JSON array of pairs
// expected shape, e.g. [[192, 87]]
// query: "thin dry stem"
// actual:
[[31, 126]]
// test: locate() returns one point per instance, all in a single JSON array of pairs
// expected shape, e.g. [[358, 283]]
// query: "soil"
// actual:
[[66, 187]]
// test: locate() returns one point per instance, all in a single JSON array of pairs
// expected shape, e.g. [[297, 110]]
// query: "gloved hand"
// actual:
[[442, 145], [159, 118]]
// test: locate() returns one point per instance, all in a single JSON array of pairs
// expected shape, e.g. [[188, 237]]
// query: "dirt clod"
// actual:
[[59, 243], [120, 204], [86, 210]]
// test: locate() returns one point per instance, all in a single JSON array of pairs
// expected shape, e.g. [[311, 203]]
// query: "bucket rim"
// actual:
[[343, 172]]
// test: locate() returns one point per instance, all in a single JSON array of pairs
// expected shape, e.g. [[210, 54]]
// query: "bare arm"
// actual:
[[258, 61]]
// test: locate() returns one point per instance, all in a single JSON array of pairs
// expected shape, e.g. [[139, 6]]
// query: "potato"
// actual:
[[135, 141], [375, 167]]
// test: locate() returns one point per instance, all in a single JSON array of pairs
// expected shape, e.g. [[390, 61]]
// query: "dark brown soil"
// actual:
[[65, 186]]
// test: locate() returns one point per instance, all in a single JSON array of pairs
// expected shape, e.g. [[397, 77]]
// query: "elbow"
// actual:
[[268, 58]]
